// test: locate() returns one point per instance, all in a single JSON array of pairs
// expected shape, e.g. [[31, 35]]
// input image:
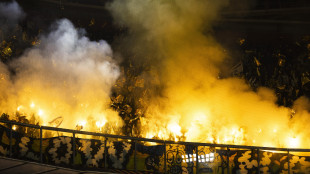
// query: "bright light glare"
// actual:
[[294, 142], [32, 105], [100, 124], [19, 108], [82, 123], [175, 128], [40, 112], [201, 158]]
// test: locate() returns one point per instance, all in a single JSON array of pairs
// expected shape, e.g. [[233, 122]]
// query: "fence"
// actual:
[[134, 154]]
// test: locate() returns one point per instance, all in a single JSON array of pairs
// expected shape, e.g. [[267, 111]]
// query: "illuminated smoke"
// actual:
[[175, 38], [66, 76]]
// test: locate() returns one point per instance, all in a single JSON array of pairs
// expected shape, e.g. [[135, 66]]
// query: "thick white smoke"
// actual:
[[66, 75]]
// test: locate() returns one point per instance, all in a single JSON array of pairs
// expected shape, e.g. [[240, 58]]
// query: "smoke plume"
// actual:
[[175, 38], [67, 76], [10, 14]]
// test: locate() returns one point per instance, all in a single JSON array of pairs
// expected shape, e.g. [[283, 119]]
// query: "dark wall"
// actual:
[[92, 17]]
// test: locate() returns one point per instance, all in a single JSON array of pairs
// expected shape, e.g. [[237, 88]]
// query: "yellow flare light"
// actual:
[[100, 124], [175, 128], [294, 142], [32, 105], [82, 123], [19, 108], [40, 112]]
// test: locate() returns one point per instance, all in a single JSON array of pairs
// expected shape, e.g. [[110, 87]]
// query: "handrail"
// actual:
[[228, 147], [154, 140]]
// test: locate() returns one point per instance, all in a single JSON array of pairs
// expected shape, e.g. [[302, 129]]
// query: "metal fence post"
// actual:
[[258, 162], [135, 155], [227, 160], [41, 153], [105, 153], [73, 148], [10, 140], [288, 161], [165, 157], [197, 162]]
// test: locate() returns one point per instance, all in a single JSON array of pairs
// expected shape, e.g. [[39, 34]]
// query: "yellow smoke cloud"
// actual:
[[175, 36]]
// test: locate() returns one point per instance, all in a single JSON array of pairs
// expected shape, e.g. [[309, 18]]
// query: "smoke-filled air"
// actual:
[[65, 80], [10, 14], [195, 103]]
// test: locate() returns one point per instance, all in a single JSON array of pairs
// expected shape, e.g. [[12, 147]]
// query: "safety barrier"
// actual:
[[163, 156]]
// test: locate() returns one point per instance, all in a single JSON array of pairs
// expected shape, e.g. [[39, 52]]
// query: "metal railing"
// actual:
[[228, 147]]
